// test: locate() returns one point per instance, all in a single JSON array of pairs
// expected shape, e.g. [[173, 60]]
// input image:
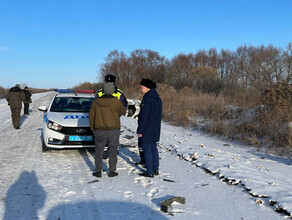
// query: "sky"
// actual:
[[59, 44]]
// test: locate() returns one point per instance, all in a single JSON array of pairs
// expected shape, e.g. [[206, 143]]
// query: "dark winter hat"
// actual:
[[26, 87], [17, 85], [109, 88], [148, 83], [109, 78]]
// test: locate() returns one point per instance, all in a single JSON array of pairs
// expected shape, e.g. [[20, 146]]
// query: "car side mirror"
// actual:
[[42, 108]]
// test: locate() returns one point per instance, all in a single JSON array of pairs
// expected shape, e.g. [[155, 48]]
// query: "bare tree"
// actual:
[[117, 63], [148, 64], [204, 79], [179, 67], [287, 61]]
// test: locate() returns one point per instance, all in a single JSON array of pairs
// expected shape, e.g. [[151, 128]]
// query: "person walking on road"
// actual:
[[15, 97], [149, 126], [27, 100], [104, 120]]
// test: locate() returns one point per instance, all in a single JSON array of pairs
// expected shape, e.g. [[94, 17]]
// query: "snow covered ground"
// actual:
[[219, 179]]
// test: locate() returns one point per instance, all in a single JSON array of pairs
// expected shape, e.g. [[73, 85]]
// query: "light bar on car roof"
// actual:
[[65, 90], [74, 91], [85, 91]]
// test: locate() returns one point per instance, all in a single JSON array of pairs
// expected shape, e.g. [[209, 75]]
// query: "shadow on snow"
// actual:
[[26, 196]]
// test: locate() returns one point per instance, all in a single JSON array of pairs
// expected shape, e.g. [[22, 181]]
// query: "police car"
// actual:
[[66, 122]]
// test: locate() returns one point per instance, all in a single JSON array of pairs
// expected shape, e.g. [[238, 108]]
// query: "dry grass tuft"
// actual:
[[268, 122], [276, 116], [179, 107]]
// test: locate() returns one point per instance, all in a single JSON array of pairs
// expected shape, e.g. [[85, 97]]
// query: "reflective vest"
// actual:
[[117, 94]]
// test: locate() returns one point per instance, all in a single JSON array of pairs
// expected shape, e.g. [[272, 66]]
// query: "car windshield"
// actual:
[[71, 104]]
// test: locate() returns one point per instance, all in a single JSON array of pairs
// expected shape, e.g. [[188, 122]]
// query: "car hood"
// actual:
[[69, 119]]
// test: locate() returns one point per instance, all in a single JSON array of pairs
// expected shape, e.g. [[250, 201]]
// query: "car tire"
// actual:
[[44, 146]]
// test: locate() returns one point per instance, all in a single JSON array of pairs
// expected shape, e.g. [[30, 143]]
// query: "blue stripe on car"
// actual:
[[46, 118]]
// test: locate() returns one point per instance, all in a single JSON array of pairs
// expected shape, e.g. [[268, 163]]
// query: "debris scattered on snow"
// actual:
[[194, 156], [165, 205], [260, 201], [129, 137], [168, 180], [128, 146], [230, 167]]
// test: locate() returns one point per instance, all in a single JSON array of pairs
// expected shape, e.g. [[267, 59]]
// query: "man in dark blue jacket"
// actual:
[[149, 126]]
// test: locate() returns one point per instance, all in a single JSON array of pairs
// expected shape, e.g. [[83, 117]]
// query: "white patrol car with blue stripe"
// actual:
[[66, 123]]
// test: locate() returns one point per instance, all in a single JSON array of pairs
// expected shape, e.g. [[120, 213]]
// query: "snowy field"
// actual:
[[219, 179]]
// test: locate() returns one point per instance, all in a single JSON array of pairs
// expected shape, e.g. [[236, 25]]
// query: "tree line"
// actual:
[[206, 71]]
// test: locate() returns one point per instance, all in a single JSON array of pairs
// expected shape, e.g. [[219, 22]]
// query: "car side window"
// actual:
[[59, 104], [62, 103]]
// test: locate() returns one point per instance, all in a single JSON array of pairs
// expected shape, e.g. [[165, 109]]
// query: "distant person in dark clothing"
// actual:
[[15, 97], [104, 120], [149, 126], [27, 100]]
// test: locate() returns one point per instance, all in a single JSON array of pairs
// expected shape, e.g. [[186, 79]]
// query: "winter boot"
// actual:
[[112, 174], [97, 174], [146, 175]]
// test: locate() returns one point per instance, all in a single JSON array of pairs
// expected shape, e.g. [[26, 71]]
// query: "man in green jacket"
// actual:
[[104, 120], [15, 97], [119, 94]]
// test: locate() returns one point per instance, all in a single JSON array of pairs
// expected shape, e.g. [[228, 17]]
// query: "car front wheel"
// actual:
[[44, 146]]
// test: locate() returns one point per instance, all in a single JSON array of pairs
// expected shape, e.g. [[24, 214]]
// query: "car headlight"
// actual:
[[54, 126]]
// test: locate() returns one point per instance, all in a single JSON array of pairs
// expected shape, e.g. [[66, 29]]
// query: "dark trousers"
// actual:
[[26, 107], [15, 115], [111, 139], [141, 153], [151, 157]]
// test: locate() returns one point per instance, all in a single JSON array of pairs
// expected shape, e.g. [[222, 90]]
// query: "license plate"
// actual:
[[80, 138]]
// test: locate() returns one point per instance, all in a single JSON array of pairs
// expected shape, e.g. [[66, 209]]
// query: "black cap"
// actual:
[[109, 78], [148, 83]]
